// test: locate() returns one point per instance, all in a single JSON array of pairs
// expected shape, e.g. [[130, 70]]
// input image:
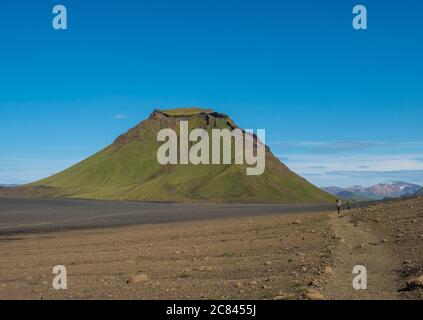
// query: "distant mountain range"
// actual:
[[8, 185], [377, 192]]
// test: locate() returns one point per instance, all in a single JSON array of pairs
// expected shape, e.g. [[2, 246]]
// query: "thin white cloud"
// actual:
[[359, 168], [20, 171], [120, 116], [330, 147]]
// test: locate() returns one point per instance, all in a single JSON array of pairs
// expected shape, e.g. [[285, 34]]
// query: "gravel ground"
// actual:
[[290, 256]]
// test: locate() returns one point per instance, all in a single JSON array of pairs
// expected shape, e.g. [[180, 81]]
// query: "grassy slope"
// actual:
[[130, 171]]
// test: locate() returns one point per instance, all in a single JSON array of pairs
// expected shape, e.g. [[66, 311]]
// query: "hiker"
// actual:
[[338, 205], [348, 205]]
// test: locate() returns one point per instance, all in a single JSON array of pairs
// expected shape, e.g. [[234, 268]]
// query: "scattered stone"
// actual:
[[281, 296], [313, 295], [328, 270], [312, 283], [184, 275], [415, 283], [297, 222], [139, 278], [384, 240], [267, 263]]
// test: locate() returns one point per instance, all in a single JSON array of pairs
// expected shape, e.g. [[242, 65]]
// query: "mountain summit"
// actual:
[[128, 170]]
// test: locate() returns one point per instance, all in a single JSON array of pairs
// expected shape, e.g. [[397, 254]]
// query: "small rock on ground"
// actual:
[[139, 278]]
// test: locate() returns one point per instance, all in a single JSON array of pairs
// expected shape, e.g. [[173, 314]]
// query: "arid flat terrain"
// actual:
[[289, 256]]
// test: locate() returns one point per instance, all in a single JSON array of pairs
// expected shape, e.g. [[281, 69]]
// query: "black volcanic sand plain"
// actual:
[[36, 215]]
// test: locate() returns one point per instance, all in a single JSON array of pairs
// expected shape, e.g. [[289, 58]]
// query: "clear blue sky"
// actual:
[[339, 106]]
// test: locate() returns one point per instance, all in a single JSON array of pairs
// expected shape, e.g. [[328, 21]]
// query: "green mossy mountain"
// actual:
[[128, 170]]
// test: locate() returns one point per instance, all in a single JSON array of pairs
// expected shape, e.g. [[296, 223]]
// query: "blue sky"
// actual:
[[339, 106]]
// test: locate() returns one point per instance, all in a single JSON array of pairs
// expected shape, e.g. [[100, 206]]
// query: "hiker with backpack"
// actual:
[[338, 205]]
